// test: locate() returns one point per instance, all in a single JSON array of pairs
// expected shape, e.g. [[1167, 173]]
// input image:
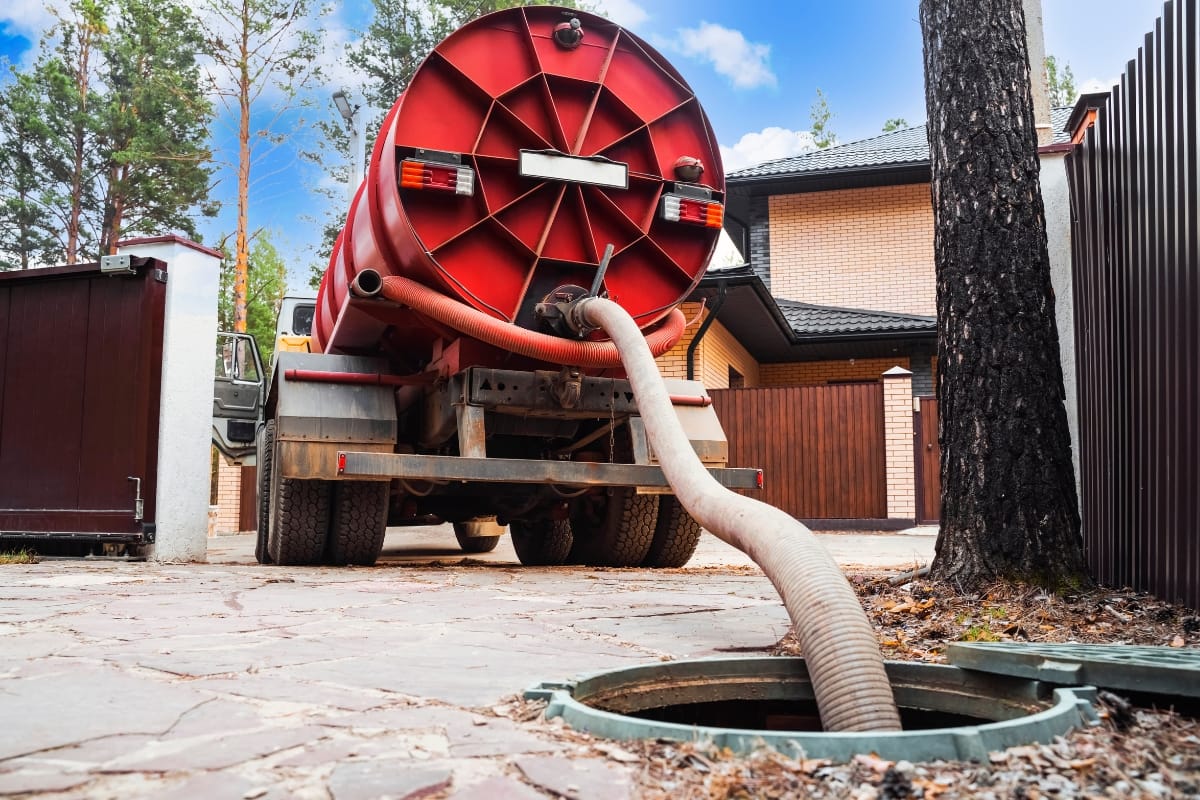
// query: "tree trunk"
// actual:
[[1009, 507], [242, 243]]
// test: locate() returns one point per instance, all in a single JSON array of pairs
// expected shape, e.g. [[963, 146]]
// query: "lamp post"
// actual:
[[350, 115]]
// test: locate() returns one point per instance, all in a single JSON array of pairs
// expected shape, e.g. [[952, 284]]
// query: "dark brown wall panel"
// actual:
[[1136, 257], [820, 447]]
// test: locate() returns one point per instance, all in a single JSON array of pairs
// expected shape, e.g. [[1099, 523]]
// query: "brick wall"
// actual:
[[228, 480], [718, 351], [898, 444], [816, 373], [855, 248]]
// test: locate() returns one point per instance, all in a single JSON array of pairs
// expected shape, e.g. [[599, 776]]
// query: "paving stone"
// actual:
[[708, 633], [401, 780], [32, 780], [277, 685], [207, 786], [85, 702], [216, 715], [212, 752], [498, 787], [92, 752], [495, 737], [577, 779]]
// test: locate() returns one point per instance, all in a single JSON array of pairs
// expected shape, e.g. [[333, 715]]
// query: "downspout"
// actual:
[[704, 326]]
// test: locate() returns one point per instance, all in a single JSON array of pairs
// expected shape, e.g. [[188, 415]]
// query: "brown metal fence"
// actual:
[[1137, 302], [820, 447]]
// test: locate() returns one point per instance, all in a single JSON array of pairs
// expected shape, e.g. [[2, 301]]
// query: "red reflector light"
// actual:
[[758, 479], [341, 464], [708, 213], [443, 177]]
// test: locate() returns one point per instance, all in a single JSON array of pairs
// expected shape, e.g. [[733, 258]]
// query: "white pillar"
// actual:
[[1036, 43], [1056, 197], [185, 410]]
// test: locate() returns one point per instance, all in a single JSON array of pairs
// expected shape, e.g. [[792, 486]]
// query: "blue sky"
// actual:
[[755, 65]]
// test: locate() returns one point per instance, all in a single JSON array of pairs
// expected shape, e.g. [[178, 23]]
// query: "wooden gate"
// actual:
[[80, 375], [928, 457], [820, 447]]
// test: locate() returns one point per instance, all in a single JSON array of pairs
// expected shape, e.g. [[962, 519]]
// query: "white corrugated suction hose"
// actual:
[[839, 646]]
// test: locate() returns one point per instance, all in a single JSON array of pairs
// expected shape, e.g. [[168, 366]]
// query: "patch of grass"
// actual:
[[979, 633], [18, 557], [996, 612]]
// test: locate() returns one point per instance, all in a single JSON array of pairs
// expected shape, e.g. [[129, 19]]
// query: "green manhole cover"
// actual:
[[1155, 670], [745, 703]]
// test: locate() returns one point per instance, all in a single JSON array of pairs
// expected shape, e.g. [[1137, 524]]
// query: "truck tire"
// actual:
[[541, 542], [676, 535], [263, 501], [470, 543], [299, 521], [358, 522], [615, 533]]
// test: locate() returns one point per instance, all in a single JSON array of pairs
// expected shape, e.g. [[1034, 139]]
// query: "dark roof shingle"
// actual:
[[907, 146], [807, 319]]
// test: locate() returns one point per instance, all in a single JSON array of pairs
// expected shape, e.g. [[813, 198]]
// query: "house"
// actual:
[[839, 289], [839, 283]]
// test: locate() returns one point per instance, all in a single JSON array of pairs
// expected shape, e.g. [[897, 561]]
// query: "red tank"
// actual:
[[528, 141]]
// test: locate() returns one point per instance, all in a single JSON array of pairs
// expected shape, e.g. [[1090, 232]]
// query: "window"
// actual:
[[736, 379]]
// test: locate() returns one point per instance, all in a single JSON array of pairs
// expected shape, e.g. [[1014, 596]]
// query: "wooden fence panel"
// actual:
[[820, 447], [1136, 251]]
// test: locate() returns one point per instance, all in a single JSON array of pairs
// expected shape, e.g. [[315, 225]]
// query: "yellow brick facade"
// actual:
[[855, 248], [717, 353], [816, 373], [227, 480]]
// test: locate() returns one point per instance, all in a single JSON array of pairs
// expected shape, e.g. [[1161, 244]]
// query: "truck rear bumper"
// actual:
[[364, 465]]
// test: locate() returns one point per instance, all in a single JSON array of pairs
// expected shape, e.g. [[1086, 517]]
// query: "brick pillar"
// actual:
[[898, 444], [229, 497]]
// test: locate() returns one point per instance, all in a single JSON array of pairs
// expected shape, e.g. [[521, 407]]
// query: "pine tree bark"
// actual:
[[1009, 507]]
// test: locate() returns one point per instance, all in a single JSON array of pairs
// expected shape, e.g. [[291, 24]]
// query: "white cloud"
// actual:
[[29, 18], [625, 13], [743, 63], [1098, 85], [765, 145]]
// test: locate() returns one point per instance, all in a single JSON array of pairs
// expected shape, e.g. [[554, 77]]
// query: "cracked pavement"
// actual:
[[229, 679]]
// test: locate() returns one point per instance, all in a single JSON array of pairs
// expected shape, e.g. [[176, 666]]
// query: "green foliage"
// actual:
[[265, 287], [104, 135], [25, 238], [820, 115], [895, 124], [979, 633], [1060, 83], [155, 122]]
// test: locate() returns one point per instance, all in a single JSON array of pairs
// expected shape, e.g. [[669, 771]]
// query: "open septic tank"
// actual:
[[947, 712]]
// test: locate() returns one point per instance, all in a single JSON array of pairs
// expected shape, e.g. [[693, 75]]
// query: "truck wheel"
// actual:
[[676, 535], [471, 542], [263, 501], [358, 522], [541, 542], [615, 533], [299, 521]]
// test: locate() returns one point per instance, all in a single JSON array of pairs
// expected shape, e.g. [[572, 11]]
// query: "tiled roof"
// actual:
[[812, 320], [907, 146]]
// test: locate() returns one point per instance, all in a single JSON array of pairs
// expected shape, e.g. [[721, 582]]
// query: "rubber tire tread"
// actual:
[[358, 522], [624, 535], [542, 542], [301, 508], [474, 544], [263, 499], [676, 535]]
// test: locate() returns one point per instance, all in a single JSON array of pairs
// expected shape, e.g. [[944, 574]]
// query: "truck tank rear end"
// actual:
[[538, 157], [526, 143]]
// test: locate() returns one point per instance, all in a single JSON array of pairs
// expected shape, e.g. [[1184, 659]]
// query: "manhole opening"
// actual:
[[787, 715], [745, 703]]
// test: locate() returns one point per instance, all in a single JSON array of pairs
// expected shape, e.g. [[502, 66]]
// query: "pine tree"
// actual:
[[257, 46], [819, 116], [26, 239], [266, 284], [1009, 508], [154, 123]]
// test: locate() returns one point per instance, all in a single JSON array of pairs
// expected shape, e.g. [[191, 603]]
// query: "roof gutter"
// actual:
[[704, 326], [766, 181]]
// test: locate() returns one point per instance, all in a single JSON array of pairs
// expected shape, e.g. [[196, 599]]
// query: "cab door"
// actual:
[[237, 396]]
